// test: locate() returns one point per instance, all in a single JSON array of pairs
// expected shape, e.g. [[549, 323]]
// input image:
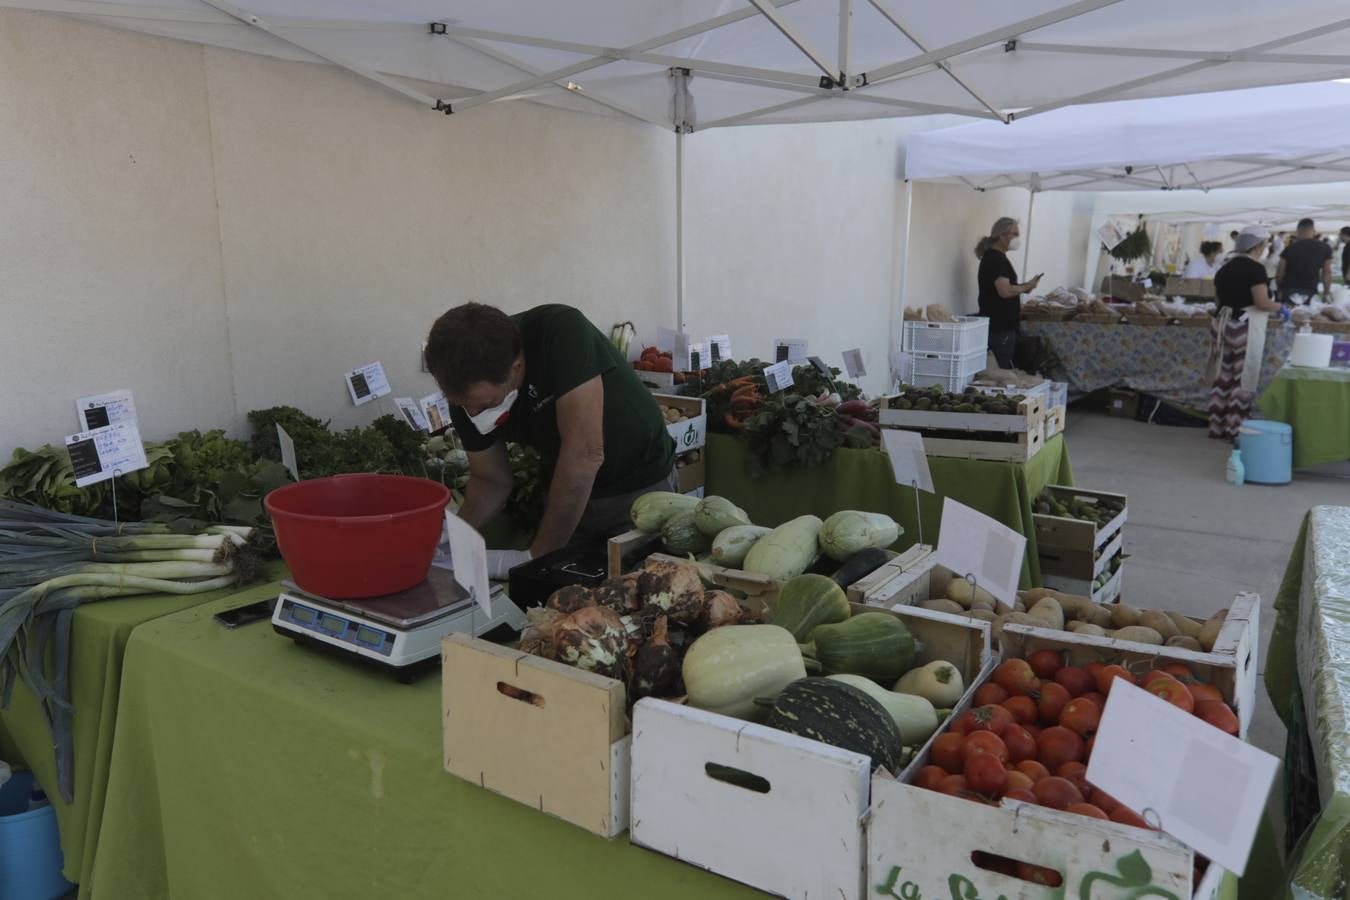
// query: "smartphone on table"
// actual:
[[243, 615]]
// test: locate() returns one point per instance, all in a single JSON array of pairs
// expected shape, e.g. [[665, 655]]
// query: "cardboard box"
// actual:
[[1123, 403], [805, 833], [692, 433], [544, 734], [692, 476]]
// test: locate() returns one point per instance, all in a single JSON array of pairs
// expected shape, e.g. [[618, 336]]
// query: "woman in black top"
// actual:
[[1240, 285], [1000, 294]]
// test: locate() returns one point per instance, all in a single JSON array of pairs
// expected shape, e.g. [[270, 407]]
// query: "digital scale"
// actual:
[[400, 631]]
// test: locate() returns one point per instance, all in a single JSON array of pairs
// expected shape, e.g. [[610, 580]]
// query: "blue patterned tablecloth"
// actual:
[[1167, 361]]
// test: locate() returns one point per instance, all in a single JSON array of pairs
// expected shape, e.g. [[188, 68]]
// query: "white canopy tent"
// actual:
[[698, 64]]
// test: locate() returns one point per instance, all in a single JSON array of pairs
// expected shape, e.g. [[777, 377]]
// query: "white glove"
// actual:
[[501, 562]]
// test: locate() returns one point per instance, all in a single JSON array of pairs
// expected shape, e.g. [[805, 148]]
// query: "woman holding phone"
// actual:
[[1000, 294]]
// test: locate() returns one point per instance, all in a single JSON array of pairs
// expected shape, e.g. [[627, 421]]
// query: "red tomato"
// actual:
[[952, 784], [1015, 677], [984, 742], [1218, 714], [1126, 816], [1054, 697], [929, 777], [1077, 681], [1103, 801], [1022, 794], [1018, 781], [1076, 774], [1092, 669], [948, 751], [987, 718], [1056, 792], [1109, 674], [1081, 716], [1200, 691], [989, 694], [1057, 746], [1023, 709], [1099, 699], [1033, 770], [1021, 745], [1032, 729], [985, 774], [1153, 675], [1087, 809], [1180, 671], [1173, 691], [1045, 663]]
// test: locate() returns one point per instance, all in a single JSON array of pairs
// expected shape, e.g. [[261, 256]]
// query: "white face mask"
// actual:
[[1015, 244], [489, 420]]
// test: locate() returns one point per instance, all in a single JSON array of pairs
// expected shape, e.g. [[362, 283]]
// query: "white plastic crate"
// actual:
[[1059, 394], [966, 335], [952, 371]]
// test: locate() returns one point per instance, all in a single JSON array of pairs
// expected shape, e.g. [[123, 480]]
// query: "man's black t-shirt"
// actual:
[[1303, 261], [563, 350], [1003, 312], [1234, 282], [1345, 262]]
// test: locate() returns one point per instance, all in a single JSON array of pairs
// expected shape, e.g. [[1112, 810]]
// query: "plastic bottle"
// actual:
[[1236, 471]]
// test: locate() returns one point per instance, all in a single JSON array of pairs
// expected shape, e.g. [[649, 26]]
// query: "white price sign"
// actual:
[[469, 561], [437, 410], [972, 544], [1204, 787], [699, 357], [102, 453], [719, 347], [853, 364], [102, 410], [778, 377], [909, 462], [288, 452], [412, 414], [791, 350], [680, 355], [366, 383]]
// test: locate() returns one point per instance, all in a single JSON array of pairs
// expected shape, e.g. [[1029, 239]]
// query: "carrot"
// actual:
[[733, 423]]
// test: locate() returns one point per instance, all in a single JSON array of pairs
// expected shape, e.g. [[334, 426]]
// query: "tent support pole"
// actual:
[[679, 230], [1026, 242], [898, 305]]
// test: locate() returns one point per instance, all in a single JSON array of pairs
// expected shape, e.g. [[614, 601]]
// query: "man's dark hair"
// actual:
[[471, 343], [1233, 235], [1305, 223], [1345, 231]]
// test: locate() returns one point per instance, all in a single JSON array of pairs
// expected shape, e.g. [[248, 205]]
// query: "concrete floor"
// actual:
[[1194, 540]]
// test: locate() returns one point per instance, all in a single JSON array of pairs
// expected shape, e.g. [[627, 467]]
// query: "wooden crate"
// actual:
[[905, 861], [805, 834], [901, 582], [540, 732], [1109, 592], [987, 432], [1076, 548], [634, 546]]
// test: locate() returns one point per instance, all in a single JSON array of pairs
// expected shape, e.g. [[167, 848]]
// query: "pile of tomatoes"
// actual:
[[1030, 732]]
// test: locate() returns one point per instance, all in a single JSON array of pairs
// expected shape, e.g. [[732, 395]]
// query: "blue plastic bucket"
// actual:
[[30, 846], [1267, 451]]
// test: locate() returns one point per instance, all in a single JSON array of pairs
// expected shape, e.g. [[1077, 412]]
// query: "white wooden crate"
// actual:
[[540, 732], [690, 433], [802, 836], [901, 582]]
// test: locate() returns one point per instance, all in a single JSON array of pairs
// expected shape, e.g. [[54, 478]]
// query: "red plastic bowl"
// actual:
[[358, 535]]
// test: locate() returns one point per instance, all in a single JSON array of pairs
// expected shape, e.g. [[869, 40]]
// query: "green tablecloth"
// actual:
[[1308, 679], [247, 766], [862, 479], [1317, 403], [99, 634]]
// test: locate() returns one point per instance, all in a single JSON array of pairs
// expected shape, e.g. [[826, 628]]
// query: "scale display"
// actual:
[[334, 625]]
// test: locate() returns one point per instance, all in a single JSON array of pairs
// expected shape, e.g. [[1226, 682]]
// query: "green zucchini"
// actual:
[[807, 601], [860, 565], [876, 645], [713, 515], [849, 531], [914, 716], [651, 511], [840, 715], [731, 545], [725, 669], [681, 536]]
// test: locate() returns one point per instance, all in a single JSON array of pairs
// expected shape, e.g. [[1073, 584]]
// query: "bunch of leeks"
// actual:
[[51, 562]]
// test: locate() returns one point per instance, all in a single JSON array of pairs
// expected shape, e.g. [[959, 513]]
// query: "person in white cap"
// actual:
[[1241, 284]]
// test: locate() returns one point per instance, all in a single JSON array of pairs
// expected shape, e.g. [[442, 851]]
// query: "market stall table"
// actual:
[[99, 634], [862, 479], [247, 766], [1316, 402], [1308, 679], [1167, 361]]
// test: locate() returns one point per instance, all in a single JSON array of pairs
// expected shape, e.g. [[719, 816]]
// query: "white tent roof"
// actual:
[[762, 61], [1289, 134]]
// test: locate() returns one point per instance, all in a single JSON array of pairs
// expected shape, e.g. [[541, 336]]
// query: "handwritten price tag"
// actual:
[[367, 383], [101, 453]]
